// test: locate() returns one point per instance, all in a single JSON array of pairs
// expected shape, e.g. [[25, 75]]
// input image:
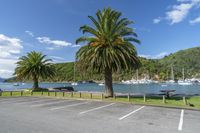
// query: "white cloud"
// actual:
[[30, 33], [74, 45], [56, 57], [177, 13], [158, 56], [7, 67], [9, 46], [157, 20], [57, 43], [196, 20]]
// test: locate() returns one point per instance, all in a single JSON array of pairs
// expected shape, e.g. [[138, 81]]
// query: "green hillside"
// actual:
[[188, 59]]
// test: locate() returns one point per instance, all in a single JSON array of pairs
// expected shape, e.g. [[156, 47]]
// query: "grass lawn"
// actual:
[[193, 102]]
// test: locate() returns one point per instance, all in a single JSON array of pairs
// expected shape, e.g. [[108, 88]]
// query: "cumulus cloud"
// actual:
[[196, 20], [158, 56], [57, 43], [7, 67], [177, 13], [9, 46], [30, 33]]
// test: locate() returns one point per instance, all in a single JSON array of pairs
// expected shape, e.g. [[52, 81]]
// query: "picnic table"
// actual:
[[167, 92]]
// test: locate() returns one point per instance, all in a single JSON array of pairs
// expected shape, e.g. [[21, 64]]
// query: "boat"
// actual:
[[16, 84], [101, 84], [172, 81], [74, 83], [184, 81]]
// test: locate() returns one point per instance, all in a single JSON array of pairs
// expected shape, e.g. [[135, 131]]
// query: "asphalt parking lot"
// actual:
[[50, 115]]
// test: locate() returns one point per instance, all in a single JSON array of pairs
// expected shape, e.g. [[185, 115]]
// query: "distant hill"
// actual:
[[159, 69], [189, 59]]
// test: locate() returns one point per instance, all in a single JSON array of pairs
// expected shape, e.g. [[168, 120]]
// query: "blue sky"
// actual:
[[52, 26]]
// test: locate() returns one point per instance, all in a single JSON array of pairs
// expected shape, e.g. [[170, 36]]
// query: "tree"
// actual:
[[34, 66], [109, 48]]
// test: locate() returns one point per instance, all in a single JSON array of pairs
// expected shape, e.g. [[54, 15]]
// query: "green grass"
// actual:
[[193, 102]]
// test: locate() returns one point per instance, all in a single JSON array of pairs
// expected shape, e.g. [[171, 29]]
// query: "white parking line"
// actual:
[[180, 126], [33, 101], [71, 105], [123, 117], [49, 103], [96, 108], [13, 100]]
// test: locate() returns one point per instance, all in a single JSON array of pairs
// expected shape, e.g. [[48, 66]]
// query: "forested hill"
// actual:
[[159, 69]]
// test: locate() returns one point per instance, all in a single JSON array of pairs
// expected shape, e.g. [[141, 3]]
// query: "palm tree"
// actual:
[[109, 48], [34, 66]]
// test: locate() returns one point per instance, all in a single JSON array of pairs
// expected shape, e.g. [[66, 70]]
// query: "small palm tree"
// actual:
[[109, 48], [34, 66]]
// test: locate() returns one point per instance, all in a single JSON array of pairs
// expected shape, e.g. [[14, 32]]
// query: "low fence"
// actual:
[[87, 95]]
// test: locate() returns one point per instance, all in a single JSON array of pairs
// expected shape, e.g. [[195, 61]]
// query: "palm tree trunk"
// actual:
[[108, 82], [35, 83]]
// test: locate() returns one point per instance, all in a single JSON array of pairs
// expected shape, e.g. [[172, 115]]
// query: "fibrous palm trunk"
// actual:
[[108, 82], [35, 83]]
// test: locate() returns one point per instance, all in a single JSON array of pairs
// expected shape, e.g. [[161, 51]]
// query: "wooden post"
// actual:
[[164, 101], [10, 93], [63, 94], [102, 96], [114, 96], [90, 95], [184, 101], [72, 94], [128, 97], [80, 94], [21, 93], [145, 98], [48, 93]]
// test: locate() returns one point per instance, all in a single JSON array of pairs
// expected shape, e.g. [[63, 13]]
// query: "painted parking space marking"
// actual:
[[71, 105], [127, 115], [49, 103], [94, 109], [14, 100], [34, 101], [180, 126]]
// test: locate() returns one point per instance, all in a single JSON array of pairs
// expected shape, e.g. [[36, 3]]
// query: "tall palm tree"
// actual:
[[109, 48], [34, 66]]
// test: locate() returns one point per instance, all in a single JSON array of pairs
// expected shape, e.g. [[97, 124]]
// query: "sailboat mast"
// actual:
[[74, 70], [183, 72], [172, 72], [137, 74]]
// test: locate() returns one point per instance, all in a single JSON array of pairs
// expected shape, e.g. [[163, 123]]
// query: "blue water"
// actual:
[[120, 88]]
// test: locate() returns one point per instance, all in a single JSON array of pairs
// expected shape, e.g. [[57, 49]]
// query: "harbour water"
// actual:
[[120, 88]]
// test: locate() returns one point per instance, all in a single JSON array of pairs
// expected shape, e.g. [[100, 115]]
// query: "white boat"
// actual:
[[170, 82], [172, 77], [184, 81], [101, 84], [74, 83]]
